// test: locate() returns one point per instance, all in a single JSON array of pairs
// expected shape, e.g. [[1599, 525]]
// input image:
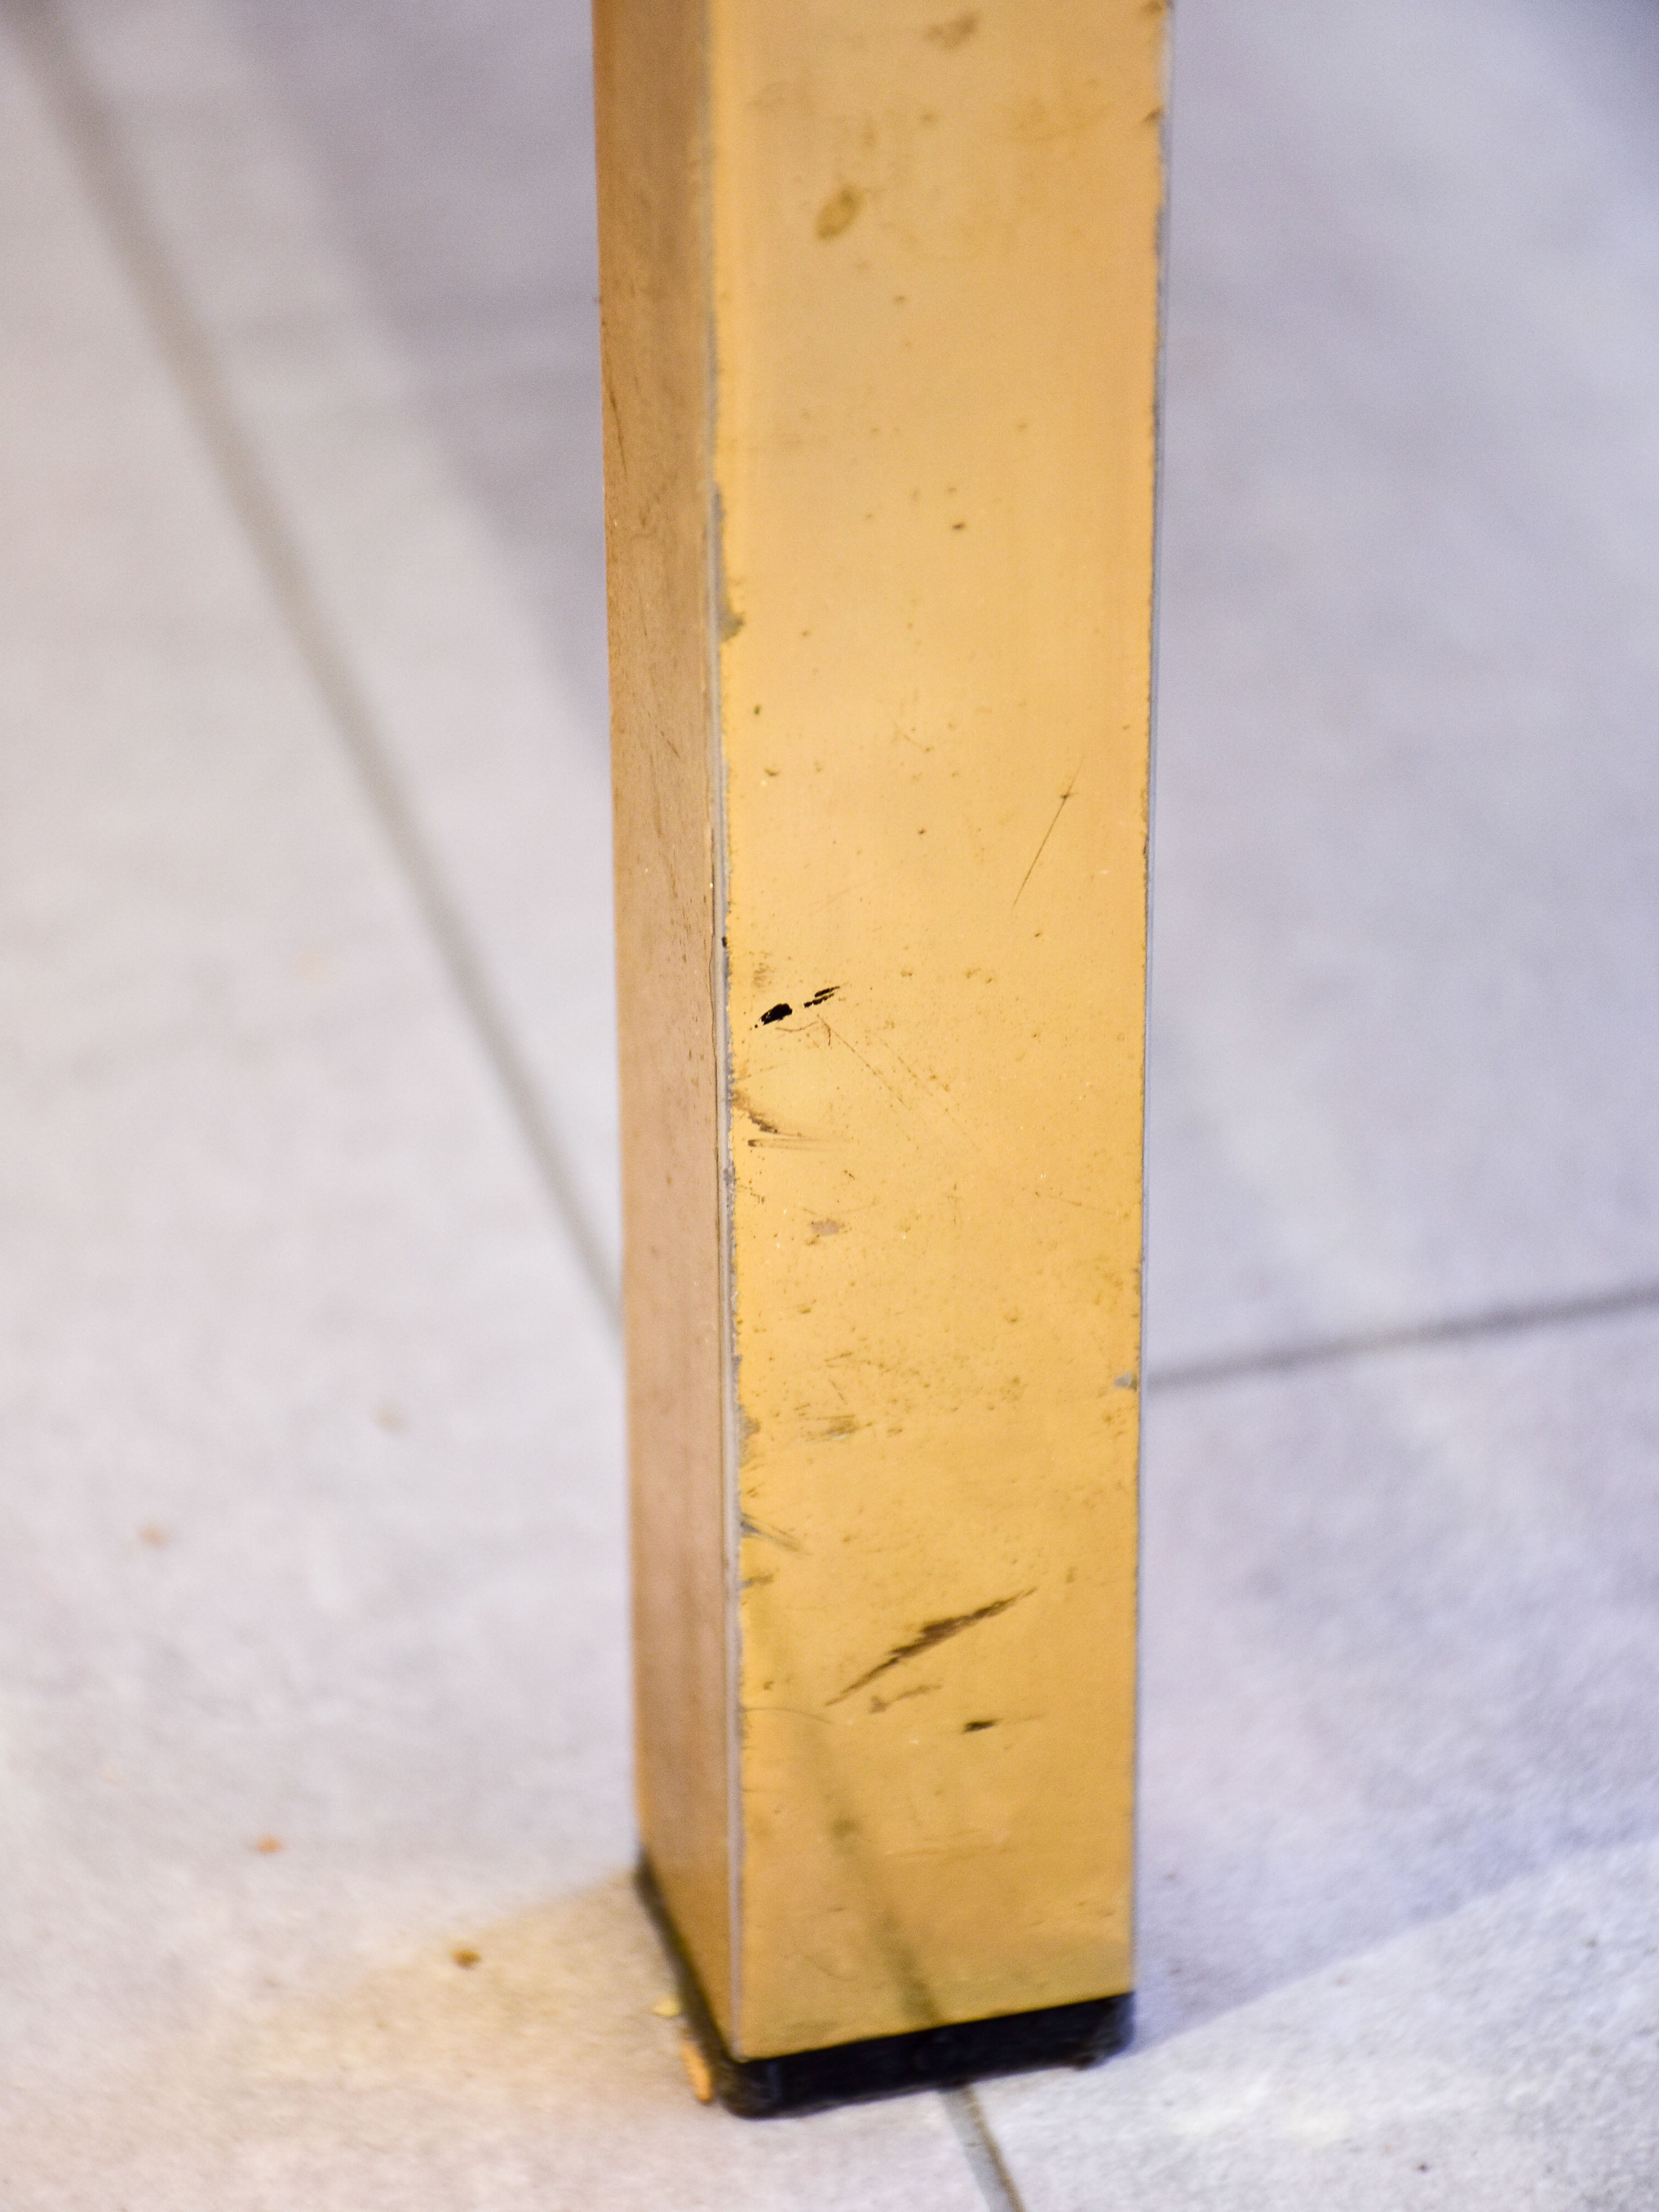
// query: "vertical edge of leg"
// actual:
[[650, 105]]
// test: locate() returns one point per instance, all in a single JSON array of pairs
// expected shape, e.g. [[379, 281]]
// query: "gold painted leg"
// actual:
[[880, 295]]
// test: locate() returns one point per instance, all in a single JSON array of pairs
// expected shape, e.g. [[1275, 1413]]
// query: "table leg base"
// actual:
[[888, 2065]]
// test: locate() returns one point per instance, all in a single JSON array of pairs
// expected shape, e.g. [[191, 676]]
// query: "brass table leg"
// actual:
[[880, 309]]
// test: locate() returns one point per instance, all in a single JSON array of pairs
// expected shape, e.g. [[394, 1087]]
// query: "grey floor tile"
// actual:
[[1507, 2056], [537, 2077], [312, 1628], [455, 145], [1401, 1648], [498, 755], [1401, 1655], [1406, 1021]]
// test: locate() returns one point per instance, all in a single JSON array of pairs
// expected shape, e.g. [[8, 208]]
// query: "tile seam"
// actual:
[[981, 2150], [1494, 1324]]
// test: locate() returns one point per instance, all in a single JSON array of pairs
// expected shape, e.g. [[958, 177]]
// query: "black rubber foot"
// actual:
[[888, 2066]]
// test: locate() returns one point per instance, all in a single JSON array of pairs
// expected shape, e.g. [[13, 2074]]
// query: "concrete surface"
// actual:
[[312, 1671]]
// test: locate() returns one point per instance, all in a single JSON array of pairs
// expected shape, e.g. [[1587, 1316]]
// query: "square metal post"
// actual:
[[880, 316]]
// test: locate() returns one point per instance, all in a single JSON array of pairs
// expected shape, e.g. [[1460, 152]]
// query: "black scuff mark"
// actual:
[[931, 1634], [880, 1704], [778, 1013], [952, 34], [739, 1099], [752, 1527], [828, 992]]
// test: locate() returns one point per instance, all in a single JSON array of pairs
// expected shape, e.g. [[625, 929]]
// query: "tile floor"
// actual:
[[311, 1594]]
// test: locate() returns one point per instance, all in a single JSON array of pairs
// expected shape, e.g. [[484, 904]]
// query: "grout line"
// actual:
[[112, 187], [1465, 1328], [979, 2147]]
